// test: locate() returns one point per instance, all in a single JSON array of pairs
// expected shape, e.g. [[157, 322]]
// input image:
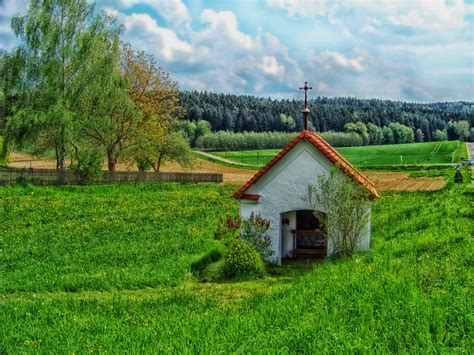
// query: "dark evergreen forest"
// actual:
[[240, 113]]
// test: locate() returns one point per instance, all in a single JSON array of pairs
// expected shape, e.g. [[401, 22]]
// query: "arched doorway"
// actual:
[[303, 234]]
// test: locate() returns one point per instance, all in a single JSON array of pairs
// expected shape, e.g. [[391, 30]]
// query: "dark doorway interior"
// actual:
[[309, 235], [307, 220]]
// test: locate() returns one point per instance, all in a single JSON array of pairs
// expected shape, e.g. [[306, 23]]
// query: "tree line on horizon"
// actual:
[[244, 113]]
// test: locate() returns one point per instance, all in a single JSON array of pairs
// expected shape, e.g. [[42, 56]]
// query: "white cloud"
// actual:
[[145, 33], [269, 65], [307, 8], [173, 11], [434, 15], [223, 29], [335, 61], [9, 8]]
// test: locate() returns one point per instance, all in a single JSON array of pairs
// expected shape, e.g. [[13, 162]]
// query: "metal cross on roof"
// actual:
[[306, 110]]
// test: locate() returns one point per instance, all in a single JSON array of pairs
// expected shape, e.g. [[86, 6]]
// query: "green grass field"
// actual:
[[416, 153], [106, 268]]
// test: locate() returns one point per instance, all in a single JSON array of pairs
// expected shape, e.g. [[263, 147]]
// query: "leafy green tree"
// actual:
[[174, 147], [375, 134], [419, 136], [360, 128], [462, 129], [451, 130], [156, 96], [11, 67], [441, 135], [387, 135], [57, 40], [346, 210], [189, 130], [202, 128]]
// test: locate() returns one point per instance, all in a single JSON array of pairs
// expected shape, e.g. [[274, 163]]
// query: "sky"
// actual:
[[411, 50]]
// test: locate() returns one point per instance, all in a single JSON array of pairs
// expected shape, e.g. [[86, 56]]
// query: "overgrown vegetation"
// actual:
[[123, 255], [346, 209]]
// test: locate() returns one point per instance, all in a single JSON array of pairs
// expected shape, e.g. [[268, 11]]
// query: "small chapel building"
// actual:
[[277, 193]]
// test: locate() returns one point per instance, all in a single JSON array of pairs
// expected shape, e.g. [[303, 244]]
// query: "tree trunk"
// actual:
[[111, 162], [62, 157], [158, 163], [6, 143]]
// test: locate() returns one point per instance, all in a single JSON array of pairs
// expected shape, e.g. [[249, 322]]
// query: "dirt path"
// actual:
[[216, 157]]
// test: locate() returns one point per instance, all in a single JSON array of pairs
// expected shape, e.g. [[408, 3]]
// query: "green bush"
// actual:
[[88, 167], [242, 260]]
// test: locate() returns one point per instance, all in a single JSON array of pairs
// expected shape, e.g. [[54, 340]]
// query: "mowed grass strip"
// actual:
[[411, 292], [105, 237], [420, 153]]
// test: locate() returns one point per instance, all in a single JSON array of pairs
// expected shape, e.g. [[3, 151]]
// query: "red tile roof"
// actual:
[[324, 148], [250, 197]]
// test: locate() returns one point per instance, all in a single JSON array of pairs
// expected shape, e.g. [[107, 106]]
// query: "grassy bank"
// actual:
[[107, 269]]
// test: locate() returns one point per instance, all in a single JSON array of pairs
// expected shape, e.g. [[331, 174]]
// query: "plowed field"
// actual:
[[398, 181]]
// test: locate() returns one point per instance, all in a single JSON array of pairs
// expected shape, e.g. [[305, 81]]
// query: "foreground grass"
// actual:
[[105, 237], [411, 293], [419, 153]]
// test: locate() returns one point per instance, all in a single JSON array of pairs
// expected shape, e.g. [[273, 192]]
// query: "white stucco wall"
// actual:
[[286, 235], [283, 187]]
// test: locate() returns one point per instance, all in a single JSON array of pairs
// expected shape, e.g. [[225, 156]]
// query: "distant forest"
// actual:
[[239, 113]]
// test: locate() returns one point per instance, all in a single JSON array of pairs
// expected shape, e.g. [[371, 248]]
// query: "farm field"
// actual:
[[106, 268], [415, 153]]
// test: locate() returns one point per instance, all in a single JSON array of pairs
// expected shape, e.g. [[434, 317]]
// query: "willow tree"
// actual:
[[11, 68], [57, 41]]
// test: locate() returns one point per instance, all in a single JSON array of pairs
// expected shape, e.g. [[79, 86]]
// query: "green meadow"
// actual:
[[107, 268], [393, 154]]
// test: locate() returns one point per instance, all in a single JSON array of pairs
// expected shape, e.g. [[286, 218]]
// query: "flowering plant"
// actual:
[[254, 231]]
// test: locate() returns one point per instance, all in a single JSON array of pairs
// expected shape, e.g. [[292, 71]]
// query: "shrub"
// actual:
[[227, 229], [241, 259], [254, 231], [347, 210], [88, 167]]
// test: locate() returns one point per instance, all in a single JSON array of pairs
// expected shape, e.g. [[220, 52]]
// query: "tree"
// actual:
[[112, 121], [156, 96], [462, 130], [11, 67], [174, 147], [441, 135], [345, 206], [189, 130], [401, 133], [387, 135], [451, 130], [419, 136], [359, 128], [202, 128], [375, 134], [57, 40]]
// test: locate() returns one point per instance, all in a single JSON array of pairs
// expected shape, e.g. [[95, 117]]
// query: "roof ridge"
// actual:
[[324, 147]]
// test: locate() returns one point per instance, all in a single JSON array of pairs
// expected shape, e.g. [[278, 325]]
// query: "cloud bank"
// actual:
[[420, 50]]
